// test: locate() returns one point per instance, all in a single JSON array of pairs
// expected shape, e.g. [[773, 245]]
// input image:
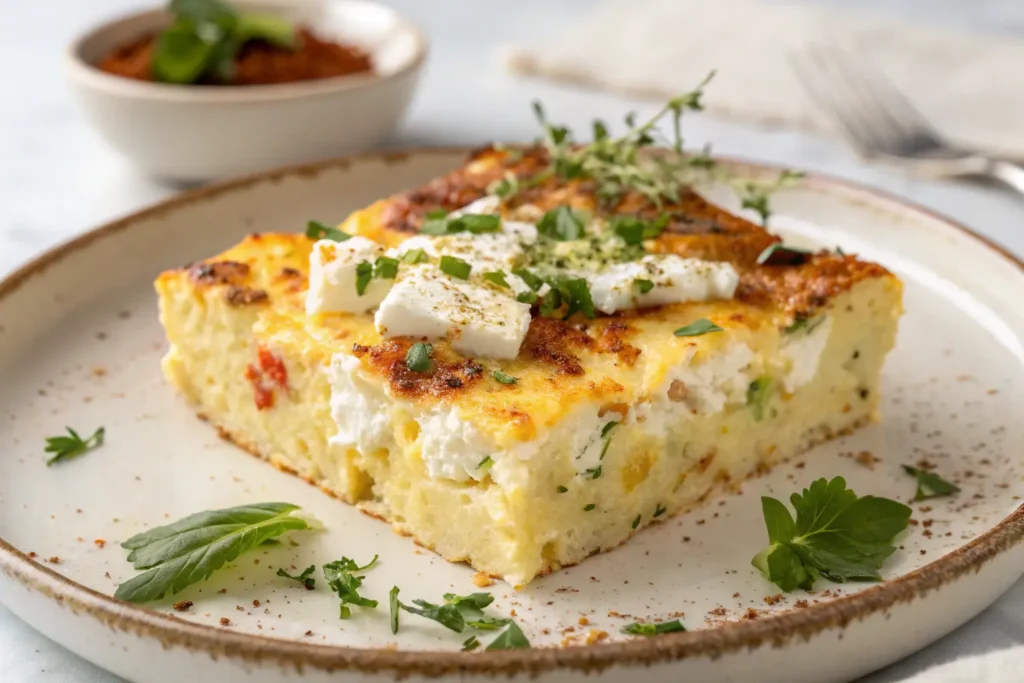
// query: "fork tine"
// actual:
[[823, 90]]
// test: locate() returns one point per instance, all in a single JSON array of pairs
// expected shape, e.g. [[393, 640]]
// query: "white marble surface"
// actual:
[[58, 179]]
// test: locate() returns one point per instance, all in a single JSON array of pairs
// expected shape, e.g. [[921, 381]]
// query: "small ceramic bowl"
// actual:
[[196, 133]]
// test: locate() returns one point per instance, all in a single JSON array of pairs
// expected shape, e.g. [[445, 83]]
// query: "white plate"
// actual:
[[80, 345]]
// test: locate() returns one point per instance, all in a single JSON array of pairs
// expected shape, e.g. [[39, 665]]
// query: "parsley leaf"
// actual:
[[393, 605], [438, 223], [506, 187], [496, 277], [929, 484], [634, 230], [418, 359], [500, 376], [315, 230], [364, 273], [532, 281], [305, 578], [341, 579], [659, 511], [456, 267], [470, 644], [636, 522], [562, 489], [589, 507], [189, 550], [697, 328], [414, 256], [836, 536], [68, 447], [486, 463], [561, 223], [512, 638], [577, 292], [385, 268], [758, 394], [458, 611], [776, 254], [642, 629], [643, 286]]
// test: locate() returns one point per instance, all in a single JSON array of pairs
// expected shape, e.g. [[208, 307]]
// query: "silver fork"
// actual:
[[883, 123]]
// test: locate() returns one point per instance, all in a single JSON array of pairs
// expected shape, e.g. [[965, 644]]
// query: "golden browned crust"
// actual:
[[449, 374]]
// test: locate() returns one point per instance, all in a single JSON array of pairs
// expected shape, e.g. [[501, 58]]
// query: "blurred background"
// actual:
[[959, 61]]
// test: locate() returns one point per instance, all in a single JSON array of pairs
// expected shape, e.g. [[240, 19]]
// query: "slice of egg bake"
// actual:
[[521, 382]]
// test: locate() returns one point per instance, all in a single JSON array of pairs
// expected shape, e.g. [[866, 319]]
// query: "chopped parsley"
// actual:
[[505, 187], [71, 446], [496, 277], [576, 292], [659, 511], [418, 358], [385, 268], [643, 286], [776, 254], [590, 506], [758, 394], [341, 579], [929, 484], [636, 522], [512, 638], [315, 230], [458, 611], [393, 608], [532, 281], [527, 298], [485, 464], [470, 644], [364, 273], [562, 223], [305, 578], [697, 328], [642, 629], [414, 256], [562, 489], [439, 222], [634, 230], [501, 377], [836, 536], [456, 267]]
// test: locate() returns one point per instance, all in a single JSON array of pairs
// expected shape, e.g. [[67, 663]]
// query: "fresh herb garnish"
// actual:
[[562, 223], [470, 644], [527, 297], [506, 187], [456, 267], [804, 323], [634, 230], [341, 579], [305, 578], [636, 522], [501, 377], [758, 394], [393, 605], [642, 629], [385, 268], [486, 463], [458, 612], [929, 484], [364, 273], [439, 223], [754, 194], [414, 256], [189, 550], [589, 506], [205, 38], [316, 230], [776, 254], [562, 489], [496, 277], [593, 472], [576, 292], [659, 511], [512, 638], [643, 286], [697, 328], [418, 359], [71, 446], [532, 281], [836, 536]]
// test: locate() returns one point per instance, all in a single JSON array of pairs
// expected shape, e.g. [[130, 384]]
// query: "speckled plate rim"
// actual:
[[778, 630]]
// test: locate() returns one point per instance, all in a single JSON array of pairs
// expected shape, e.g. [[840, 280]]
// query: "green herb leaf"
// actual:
[[577, 292], [71, 446], [364, 273], [562, 489], [634, 230], [512, 638], [414, 256], [385, 268], [643, 286], [589, 506], [929, 484], [776, 254], [341, 579], [485, 464], [804, 323], [266, 27], [318, 231], [189, 550], [500, 376], [305, 578], [659, 511], [444, 224], [418, 358], [532, 281], [527, 298], [835, 535], [642, 629], [636, 522], [470, 644], [593, 472], [182, 54], [448, 616], [759, 393], [393, 604], [697, 328], [561, 223], [755, 194], [496, 277], [435, 223], [456, 267], [506, 187]]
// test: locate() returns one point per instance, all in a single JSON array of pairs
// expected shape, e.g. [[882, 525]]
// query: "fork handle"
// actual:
[[1008, 172]]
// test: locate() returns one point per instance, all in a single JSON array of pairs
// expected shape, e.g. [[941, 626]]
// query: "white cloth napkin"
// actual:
[[969, 85]]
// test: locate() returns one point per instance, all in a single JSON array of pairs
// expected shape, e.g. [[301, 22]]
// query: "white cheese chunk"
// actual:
[[801, 351], [675, 279], [359, 407], [704, 389], [477, 320], [332, 277]]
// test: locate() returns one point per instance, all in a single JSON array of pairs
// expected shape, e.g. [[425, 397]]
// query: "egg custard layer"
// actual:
[[525, 461]]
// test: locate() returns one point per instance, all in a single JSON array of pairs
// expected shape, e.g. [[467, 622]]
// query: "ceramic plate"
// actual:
[[80, 346]]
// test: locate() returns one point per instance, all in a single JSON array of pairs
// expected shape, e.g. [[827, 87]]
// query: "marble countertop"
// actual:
[[59, 179]]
